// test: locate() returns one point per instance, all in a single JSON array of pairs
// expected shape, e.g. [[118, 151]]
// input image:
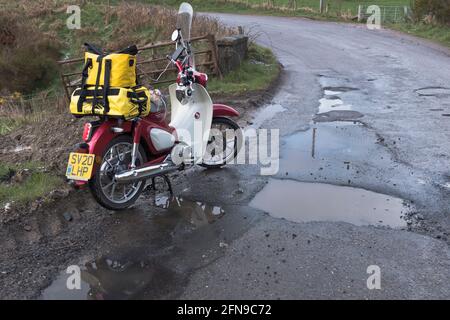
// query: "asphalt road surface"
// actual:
[[378, 153]]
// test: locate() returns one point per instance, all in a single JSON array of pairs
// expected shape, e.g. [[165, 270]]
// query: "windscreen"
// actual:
[[184, 20]]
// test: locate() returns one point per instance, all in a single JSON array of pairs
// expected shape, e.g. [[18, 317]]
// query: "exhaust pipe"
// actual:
[[143, 173]]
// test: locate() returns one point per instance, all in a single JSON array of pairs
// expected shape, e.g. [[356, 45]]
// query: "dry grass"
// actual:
[[34, 33], [134, 19], [17, 110]]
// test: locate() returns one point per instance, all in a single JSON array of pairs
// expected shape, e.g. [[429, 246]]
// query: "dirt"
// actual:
[[38, 237]]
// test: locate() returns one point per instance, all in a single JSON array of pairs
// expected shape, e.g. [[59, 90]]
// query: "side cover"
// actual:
[[192, 120]]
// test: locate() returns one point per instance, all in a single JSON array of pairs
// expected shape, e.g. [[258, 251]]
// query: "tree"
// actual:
[[438, 10]]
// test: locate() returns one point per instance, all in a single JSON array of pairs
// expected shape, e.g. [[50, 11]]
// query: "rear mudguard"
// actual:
[[99, 141], [222, 110], [103, 135]]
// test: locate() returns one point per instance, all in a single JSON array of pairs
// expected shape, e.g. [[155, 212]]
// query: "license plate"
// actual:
[[80, 166]]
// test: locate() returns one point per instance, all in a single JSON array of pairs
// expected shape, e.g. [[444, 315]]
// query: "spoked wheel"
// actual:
[[222, 149], [117, 158]]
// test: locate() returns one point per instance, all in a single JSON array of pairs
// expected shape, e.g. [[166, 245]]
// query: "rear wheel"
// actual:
[[223, 148], [117, 158]]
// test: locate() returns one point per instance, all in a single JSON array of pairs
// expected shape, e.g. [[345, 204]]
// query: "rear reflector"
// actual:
[[87, 132]]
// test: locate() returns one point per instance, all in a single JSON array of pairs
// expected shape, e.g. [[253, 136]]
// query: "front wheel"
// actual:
[[224, 143], [115, 159]]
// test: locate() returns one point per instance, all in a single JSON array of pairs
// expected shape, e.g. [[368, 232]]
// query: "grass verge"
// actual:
[[25, 182], [436, 33], [256, 73]]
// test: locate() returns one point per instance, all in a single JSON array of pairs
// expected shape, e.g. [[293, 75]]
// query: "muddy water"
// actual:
[[136, 271], [304, 202]]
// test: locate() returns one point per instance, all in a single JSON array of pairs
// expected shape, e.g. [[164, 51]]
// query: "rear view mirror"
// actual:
[[175, 35]]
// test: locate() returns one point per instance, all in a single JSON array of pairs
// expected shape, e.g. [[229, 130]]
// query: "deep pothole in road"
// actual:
[[133, 273], [330, 150], [306, 202], [113, 278], [336, 139], [333, 108]]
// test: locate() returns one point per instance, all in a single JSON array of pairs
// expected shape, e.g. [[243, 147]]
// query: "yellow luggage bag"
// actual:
[[108, 86]]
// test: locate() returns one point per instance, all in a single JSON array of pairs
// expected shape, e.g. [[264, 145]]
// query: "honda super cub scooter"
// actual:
[[118, 155]]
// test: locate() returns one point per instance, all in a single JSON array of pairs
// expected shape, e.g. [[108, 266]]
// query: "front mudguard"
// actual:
[[222, 110]]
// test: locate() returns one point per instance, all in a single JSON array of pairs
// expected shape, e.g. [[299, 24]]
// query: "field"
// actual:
[[304, 7]]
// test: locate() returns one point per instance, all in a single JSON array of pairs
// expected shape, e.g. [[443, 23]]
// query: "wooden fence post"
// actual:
[[322, 5], [212, 41]]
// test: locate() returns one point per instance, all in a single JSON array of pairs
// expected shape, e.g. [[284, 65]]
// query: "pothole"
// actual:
[[334, 103], [332, 107], [329, 148], [433, 92], [112, 278], [339, 88], [132, 271], [194, 212], [338, 115], [307, 202]]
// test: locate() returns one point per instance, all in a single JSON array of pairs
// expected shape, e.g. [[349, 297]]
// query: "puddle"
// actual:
[[338, 115], [332, 107], [266, 113], [334, 104], [305, 202], [112, 279], [194, 212], [137, 269], [325, 146]]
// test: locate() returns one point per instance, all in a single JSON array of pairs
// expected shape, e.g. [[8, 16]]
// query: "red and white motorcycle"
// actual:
[[117, 156]]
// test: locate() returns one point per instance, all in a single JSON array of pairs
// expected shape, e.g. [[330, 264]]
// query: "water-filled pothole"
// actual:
[[305, 202], [332, 103], [111, 278], [336, 146], [136, 271], [332, 107], [195, 212]]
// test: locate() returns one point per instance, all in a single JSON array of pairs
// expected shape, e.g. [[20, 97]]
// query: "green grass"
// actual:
[[35, 185], [256, 73], [7, 125], [241, 6], [439, 34]]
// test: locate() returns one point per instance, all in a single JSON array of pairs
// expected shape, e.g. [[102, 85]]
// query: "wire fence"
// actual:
[[344, 9], [388, 14]]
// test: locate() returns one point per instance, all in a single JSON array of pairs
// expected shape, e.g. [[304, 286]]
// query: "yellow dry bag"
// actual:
[[108, 86]]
